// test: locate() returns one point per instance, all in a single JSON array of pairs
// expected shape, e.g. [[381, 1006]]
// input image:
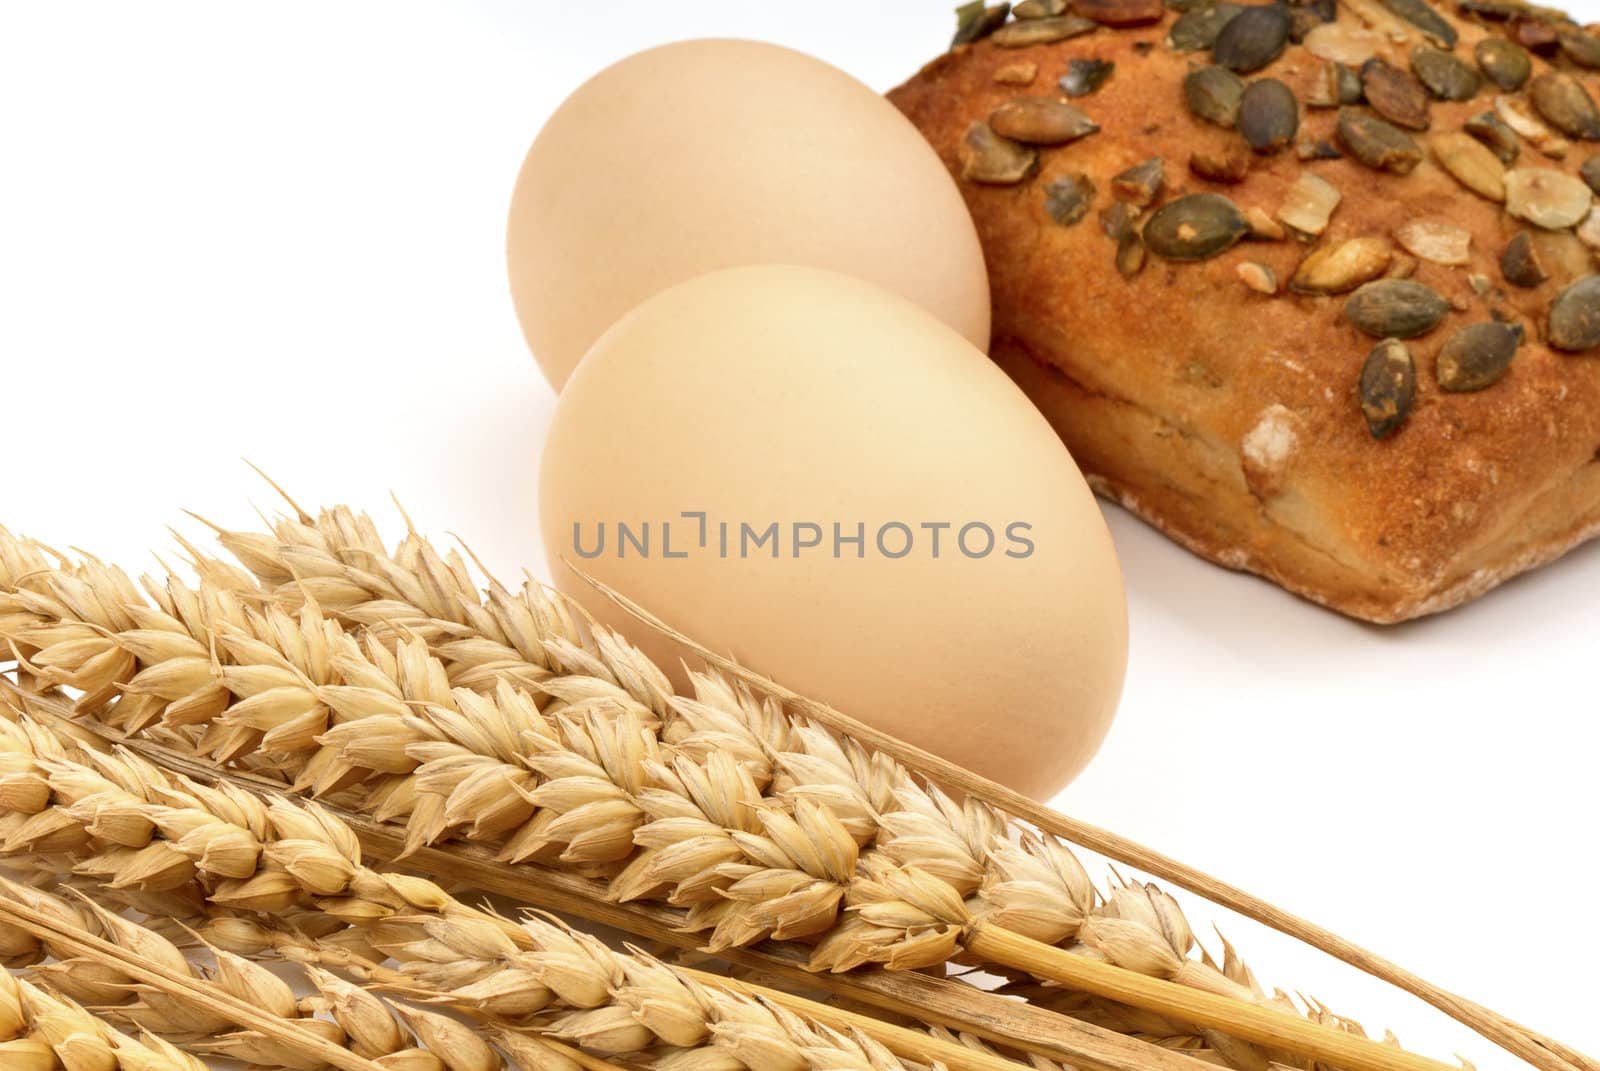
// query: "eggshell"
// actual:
[[709, 154], [778, 394]]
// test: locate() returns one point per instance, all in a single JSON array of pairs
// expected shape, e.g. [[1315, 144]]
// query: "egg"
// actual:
[[714, 153], [812, 474]]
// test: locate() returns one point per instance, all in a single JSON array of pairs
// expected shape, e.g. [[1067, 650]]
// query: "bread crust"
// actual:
[[1231, 419]]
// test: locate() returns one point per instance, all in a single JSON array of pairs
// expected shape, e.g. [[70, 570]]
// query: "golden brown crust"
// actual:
[[1230, 418]]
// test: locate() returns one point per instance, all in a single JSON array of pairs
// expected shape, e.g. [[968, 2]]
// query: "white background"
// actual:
[[275, 232]]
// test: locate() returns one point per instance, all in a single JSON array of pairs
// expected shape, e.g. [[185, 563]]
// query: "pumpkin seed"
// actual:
[[1120, 12], [1437, 243], [1388, 387], [1040, 121], [1395, 308], [1505, 62], [1470, 164], [1263, 228], [1016, 74], [1546, 197], [1589, 171], [1197, 29], [1269, 116], [1140, 184], [1309, 203], [1130, 255], [1213, 93], [1318, 150], [1477, 356], [1334, 269], [1444, 75], [1333, 84], [989, 158], [1084, 76], [1258, 277], [1520, 262], [1067, 199], [1040, 9], [1419, 14], [1492, 132], [1540, 37], [1252, 39], [1376, 143], [1395, 94], [1194, 227], [1581, 48], [1575, 316], [1225, 166], [1118, 220], [1344, 42], [1040, 31], [1565, 105], [974, 22]]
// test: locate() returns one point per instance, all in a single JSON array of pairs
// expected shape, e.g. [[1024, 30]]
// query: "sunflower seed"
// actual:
[[1395, 308], [1309, 203], [989, 158], [1197, 29], [1445, 76], [1546, 197], [1140, 184], [1016, 74], [1581, 48], [1518, 114], [1084, 76], [1556, 148], [1437, 243], [1040, 31], [1119, 219], [1194, 227], [1040, 121], [1388, 387], [1120, 12], [1213, 93], [1565, 105], [1521, 264], [1506, 63], [1334, 269], [1477, 356], [1318, 150], [1575, 316], [1227, 166], [1067, 199], [1424, 18], [1333, 84], [1253, 38], [1258, 277], [1269, 116], [1263, 228], [1470, 164], [1040, 9], [1395, 94], [1376, 143], [1130, 255], [1344, 42], [974, 22], [1493, 133]]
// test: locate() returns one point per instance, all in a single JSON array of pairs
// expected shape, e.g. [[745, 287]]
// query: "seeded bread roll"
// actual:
[[1307, 287]]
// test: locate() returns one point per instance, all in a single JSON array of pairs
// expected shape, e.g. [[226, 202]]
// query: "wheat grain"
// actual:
[[754, 821]]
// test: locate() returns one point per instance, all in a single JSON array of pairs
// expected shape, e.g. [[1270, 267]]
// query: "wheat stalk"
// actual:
[[137, 822], [748, 865]]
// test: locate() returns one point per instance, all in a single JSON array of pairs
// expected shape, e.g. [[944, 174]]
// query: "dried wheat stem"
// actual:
[[44, 1031], [748, 865], [467, 957]]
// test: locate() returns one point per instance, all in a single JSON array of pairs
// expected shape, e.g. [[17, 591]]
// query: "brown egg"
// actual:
[[813, 474], [709, 154]]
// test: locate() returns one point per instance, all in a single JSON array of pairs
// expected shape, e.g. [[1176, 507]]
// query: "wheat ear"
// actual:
[[748, 868], [464, 956], [44, 1031]]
